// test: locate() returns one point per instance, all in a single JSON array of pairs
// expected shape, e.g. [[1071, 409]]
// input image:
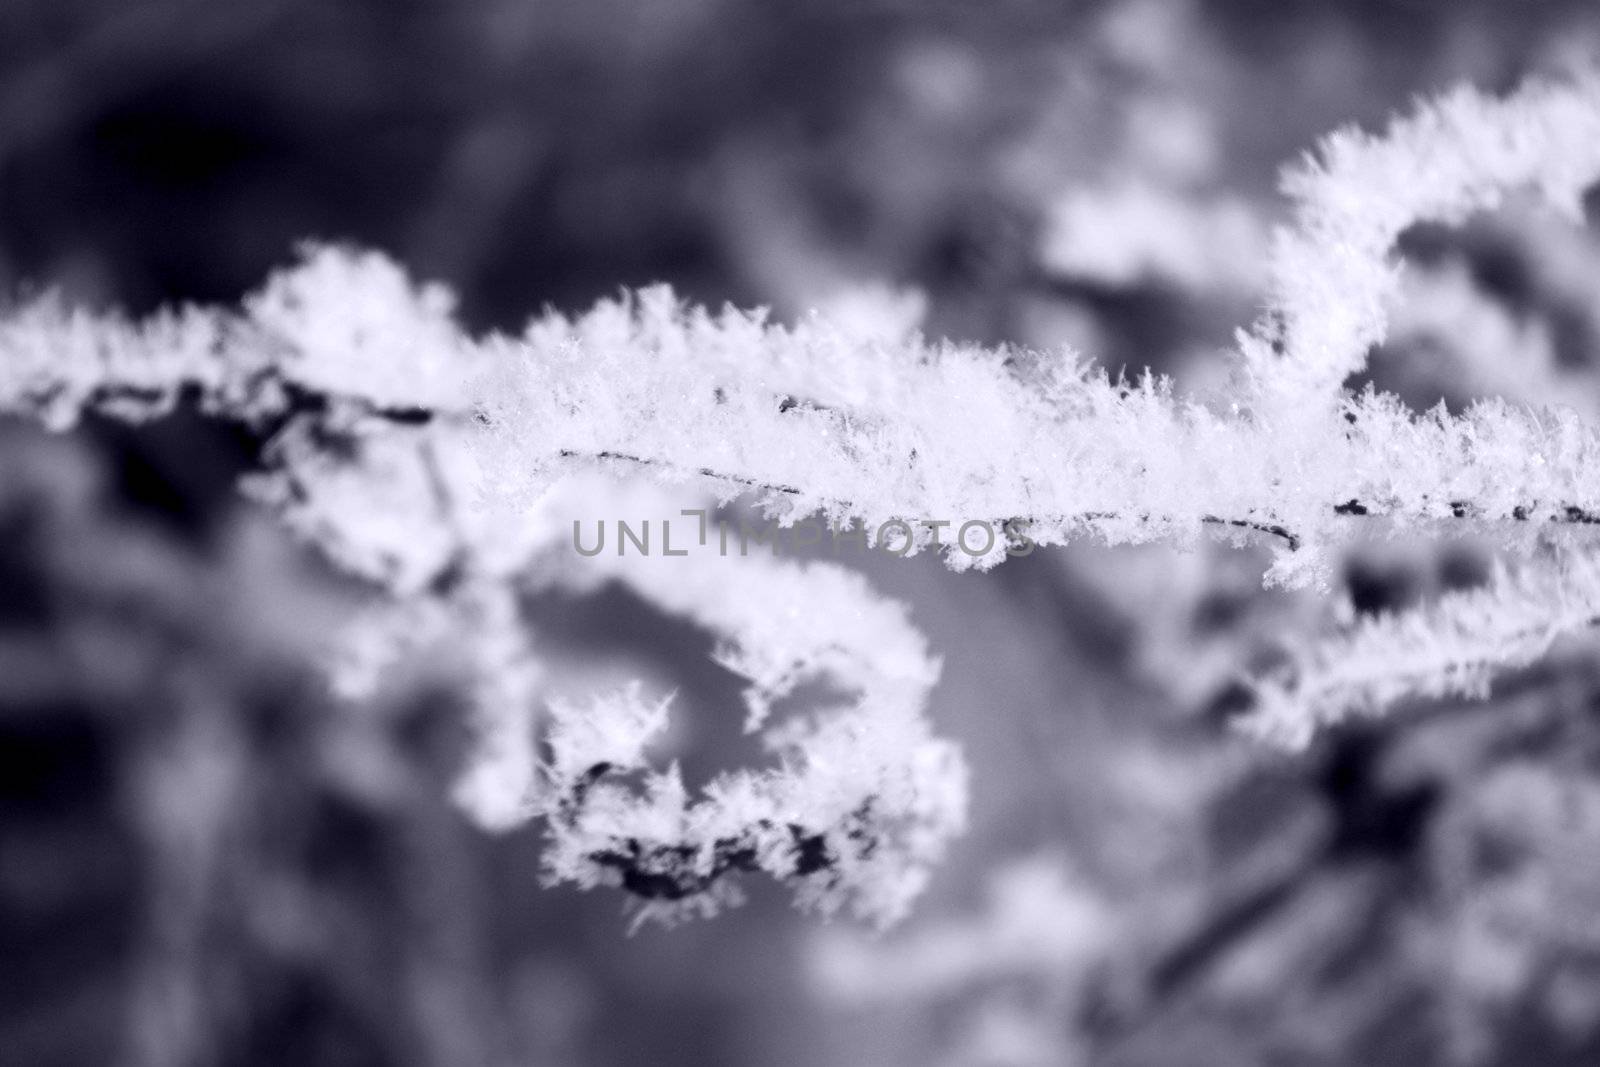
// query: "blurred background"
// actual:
[[205, 860]]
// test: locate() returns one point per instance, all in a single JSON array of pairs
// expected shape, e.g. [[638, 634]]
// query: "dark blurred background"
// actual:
[[204, 860]]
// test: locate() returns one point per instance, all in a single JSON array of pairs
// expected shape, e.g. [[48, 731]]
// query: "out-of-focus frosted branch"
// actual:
[[1137, 233], [1451, 648], [1462, 153]]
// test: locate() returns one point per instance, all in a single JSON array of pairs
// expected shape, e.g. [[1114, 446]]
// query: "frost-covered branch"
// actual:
[[862, 798]]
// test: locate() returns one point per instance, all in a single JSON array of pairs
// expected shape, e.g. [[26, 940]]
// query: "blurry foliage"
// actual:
[[203, 860]]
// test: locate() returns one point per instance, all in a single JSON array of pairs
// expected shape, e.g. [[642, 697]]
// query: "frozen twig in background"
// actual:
[[1450, 648], [1463, 153]]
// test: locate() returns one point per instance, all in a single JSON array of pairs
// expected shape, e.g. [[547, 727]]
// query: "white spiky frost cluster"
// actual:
[[862, 797], [427, 460]]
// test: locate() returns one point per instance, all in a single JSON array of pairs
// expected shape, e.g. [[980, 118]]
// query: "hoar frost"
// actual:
[[428, 461]]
